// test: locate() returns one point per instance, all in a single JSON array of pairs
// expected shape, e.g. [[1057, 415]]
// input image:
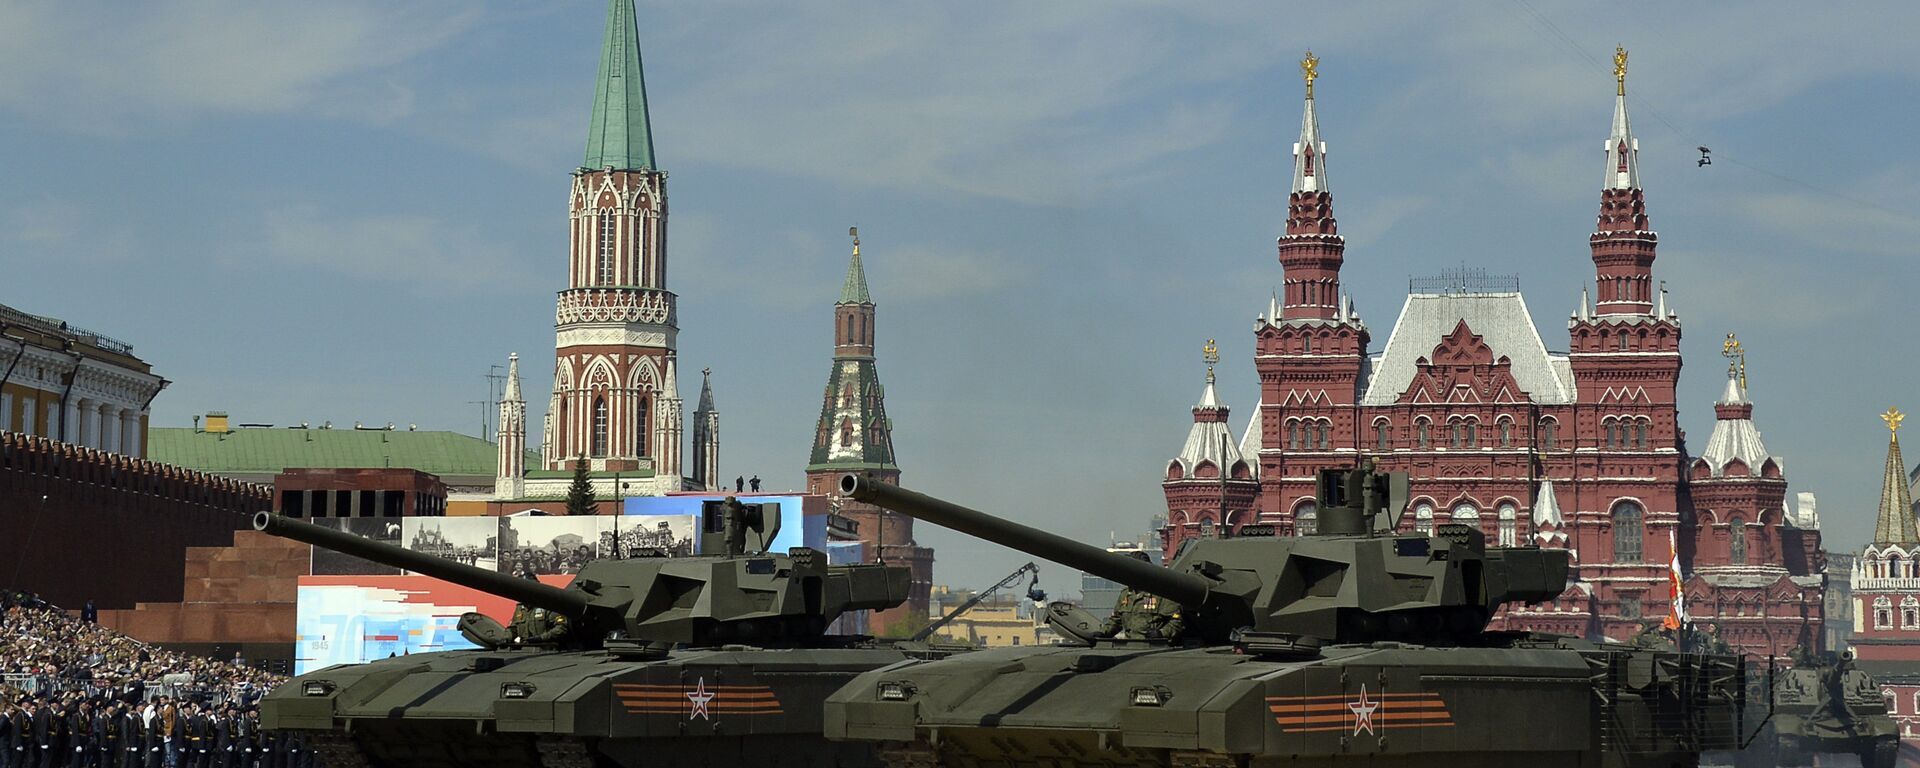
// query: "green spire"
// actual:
[[620, 135], [855, 290]]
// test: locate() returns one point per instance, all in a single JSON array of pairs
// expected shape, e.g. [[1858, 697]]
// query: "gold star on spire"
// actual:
[[1893, 417], [1309, 69], [1620, 68]]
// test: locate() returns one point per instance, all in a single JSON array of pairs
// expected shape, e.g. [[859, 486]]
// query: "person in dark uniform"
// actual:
[[193, 726], [1140, 615], [133, 743], [153, 735], [223, 739], [246, 735], [79, 749], [48, 723], [6, 734]]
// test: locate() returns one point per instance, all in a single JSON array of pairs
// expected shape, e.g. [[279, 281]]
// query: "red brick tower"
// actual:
[[615, 396], [1756, 572], [1886, 578], [1210, 486], [1310, 347], [855, 435]]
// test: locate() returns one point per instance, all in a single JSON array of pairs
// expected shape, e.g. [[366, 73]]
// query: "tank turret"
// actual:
[[652, 603], [1351, 583]]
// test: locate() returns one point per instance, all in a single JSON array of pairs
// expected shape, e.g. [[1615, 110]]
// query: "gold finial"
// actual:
[[854, 232], [1737, 357], [1893, 417], [1310, 69], [1620, 68], [1211, 354]]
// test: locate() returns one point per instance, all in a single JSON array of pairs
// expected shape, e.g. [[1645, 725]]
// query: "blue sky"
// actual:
[[349, 211]]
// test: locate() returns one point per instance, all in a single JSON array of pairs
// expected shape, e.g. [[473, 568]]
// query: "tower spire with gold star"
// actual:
[[1896, 524]]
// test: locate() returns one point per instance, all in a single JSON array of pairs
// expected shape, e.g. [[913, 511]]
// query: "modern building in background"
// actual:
[[73, 385], [1098, 594], [1839, 613], [1581, 449], [855, 435]]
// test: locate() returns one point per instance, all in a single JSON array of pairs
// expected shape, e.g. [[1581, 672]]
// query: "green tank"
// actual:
[[1355, 646], [656, 661], [1823, 705]]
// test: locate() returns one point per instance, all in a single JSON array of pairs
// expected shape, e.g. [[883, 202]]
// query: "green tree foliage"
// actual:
[[580, 499]]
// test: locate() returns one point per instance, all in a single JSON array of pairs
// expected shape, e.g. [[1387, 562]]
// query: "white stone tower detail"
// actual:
[[510, 482]]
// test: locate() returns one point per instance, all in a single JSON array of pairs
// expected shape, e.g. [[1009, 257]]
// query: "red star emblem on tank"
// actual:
[[1362, 712], [699, 696]]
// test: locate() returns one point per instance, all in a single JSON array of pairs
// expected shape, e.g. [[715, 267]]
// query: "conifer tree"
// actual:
[[580, 498]]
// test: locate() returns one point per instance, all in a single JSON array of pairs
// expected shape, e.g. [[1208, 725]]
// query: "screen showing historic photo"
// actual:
[[549, 545], [649, 536], [466, 540], [327, 562]]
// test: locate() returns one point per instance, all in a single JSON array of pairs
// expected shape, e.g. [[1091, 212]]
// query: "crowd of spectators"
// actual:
[[74, 694]]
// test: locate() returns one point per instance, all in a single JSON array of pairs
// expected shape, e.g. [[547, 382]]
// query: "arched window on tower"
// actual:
[[1509, 524], [1610, 427], [1628, 532], [1382, 434], [1506, 432], [1423, 518], [1326, 435], [1910, 612], [606, 251], [1465, 513], [1421, 434], [599, 428], [1306, 517], [641, 427], [1549, 433], [846, 431], [1458, 429], [1306, 343], [1293, 435], [1882, 613], [1641, 427], [1737, 542]]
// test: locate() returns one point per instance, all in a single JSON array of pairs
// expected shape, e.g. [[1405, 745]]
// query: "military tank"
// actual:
[[1354, 646], [1823, 706], [650, 661]]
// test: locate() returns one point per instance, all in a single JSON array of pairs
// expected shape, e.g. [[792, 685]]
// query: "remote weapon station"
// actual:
[[1352, 646], [654, 661]]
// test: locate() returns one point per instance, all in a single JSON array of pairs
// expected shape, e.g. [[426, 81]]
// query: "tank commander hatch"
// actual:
[[536, 626], [1141, 615]]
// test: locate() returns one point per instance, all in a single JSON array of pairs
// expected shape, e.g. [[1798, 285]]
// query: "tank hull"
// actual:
[[1373, 705], [585, 708]]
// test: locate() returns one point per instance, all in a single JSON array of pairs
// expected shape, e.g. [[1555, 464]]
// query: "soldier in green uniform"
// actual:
[[1141, 615], [536, 626]]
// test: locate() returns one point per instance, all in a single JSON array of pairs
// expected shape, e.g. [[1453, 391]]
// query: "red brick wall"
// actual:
[[78, 524]]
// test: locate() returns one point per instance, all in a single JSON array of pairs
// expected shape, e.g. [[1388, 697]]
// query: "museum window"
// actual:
[[6, 412], [1306, 344], [599, 427], [1509, 525], [1293, 435], [1306, 517], [1506, 433], [1549, 433], [1628, 531], [1737, 542], [1630, 607], [1623, 342], [1458, 431], [1326, 435], [1423, 518], [1420, 432], [1910, 613], [606, 246], [1882, 613], [1381, 434], [640, 428], [1640, 433], [1473, 433]]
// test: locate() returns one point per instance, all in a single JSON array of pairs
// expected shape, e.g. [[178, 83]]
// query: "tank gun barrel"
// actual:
[[519, 590], [1182, 588]]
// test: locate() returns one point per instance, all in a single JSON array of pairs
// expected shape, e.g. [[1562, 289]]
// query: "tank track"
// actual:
[[332, 749], [922, 755], [562, 752]]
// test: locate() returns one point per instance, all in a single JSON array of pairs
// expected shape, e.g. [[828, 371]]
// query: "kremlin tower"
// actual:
[[616, 400], [855, 435]]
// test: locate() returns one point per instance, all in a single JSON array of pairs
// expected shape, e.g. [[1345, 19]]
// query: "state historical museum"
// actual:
[[1580, 450]]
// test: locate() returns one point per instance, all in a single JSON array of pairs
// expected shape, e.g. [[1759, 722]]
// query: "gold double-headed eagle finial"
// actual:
[[1620, 68], [1211, 354], [854, 232], [1893, 417], [1736, 356], [1309, 69]]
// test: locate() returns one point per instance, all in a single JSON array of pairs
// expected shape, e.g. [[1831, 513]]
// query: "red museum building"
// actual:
[[1581, 449]]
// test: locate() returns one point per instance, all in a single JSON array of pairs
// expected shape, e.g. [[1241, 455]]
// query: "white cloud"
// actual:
[[111, 68]]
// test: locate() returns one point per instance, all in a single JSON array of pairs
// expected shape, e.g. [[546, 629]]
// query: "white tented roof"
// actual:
[[1501, 319], [1209, 440], [1735, 438]]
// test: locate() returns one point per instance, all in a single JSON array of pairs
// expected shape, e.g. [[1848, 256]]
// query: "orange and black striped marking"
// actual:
[[1346, 712], [698, 699]]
